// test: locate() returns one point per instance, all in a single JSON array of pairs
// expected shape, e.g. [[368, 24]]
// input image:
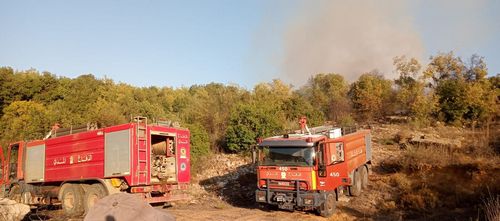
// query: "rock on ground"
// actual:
[[10, 210]]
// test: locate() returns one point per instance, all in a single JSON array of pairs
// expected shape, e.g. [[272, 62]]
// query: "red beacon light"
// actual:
[[259, 140]]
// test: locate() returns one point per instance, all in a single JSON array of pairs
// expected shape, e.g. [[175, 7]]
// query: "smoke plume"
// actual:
[[348, 38]]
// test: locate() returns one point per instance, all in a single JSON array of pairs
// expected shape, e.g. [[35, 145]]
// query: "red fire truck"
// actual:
[[76, 169], [310, 170]]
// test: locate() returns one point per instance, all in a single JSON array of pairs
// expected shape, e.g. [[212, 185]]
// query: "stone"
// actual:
[[10, 210]]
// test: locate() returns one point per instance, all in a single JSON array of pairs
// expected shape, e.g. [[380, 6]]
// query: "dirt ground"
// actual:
[[225, 193], [354, 210]]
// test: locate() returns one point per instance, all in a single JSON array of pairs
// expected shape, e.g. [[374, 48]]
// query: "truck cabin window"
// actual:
[[287, 156]]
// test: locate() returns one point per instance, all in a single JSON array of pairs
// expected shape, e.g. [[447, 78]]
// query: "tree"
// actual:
[[452, 100], [411, 97], [249, 122], [370, 95], [24, 120], [444, 66], [408, 84], [464, 94], [200, 141], [328, 93], [263, 115], [297, 106]]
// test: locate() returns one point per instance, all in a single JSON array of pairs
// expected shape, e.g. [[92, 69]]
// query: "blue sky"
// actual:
[[181, 43]]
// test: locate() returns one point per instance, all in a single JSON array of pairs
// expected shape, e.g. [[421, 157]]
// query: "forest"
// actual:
[[448, 89]]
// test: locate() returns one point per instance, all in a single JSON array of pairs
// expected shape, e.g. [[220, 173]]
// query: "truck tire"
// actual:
[[15, 193], [328, 207], [93, 193], [355, 188], [364, 177], [72, 200]]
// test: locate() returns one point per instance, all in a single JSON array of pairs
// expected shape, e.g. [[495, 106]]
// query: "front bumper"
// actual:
[[289, 198]]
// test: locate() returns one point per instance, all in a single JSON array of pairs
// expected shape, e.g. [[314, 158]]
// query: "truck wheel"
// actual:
[[364, 177], [355, 188], [92, 194], [72, 200], [328, 207]]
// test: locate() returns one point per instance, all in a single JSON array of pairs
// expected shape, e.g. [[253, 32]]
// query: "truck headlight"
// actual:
[[261, 196]]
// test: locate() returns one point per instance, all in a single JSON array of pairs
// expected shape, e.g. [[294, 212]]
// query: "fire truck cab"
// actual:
[[309, 171]]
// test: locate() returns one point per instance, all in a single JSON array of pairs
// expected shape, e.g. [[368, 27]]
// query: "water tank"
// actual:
[[334, 133]]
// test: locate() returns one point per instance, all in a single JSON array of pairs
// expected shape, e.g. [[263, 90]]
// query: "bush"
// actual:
[[200, 141], [249, 122]]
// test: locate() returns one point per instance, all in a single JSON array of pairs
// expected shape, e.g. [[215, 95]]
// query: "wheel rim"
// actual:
[[69, 200], [329, 205]]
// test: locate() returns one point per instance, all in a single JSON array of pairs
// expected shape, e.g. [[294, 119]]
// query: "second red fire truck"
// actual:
[[310, 170]]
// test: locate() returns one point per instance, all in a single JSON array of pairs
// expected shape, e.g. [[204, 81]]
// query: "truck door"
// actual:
[[331, 164], [13, 164]]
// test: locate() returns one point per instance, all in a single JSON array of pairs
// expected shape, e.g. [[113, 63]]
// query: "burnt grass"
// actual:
[[434, 183]]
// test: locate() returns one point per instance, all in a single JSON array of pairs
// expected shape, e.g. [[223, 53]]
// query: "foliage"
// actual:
[[370, 95], [464, 94], [328, 93], [411, 97], [24, 120], [247, 123], [200, 141], [230, 118]]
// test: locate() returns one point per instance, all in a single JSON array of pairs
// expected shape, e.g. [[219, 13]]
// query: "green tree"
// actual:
[[297, 106], [200, 141], [464, 94], [328, 93], [411, 97], [24, 120], [370, 95], [249, 122]]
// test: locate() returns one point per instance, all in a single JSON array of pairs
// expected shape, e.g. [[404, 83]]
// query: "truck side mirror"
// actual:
[[321, 161], [322, 170]]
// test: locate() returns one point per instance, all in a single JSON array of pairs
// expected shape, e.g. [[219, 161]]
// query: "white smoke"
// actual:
[[348, 38]]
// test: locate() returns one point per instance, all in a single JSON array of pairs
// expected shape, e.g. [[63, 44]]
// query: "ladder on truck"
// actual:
[[142, 154]]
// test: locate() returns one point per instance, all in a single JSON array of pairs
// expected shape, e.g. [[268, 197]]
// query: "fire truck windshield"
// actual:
[[287, 156]]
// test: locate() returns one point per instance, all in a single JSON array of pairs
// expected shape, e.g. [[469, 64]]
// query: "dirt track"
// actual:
[[345, 211], [234, 213]]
